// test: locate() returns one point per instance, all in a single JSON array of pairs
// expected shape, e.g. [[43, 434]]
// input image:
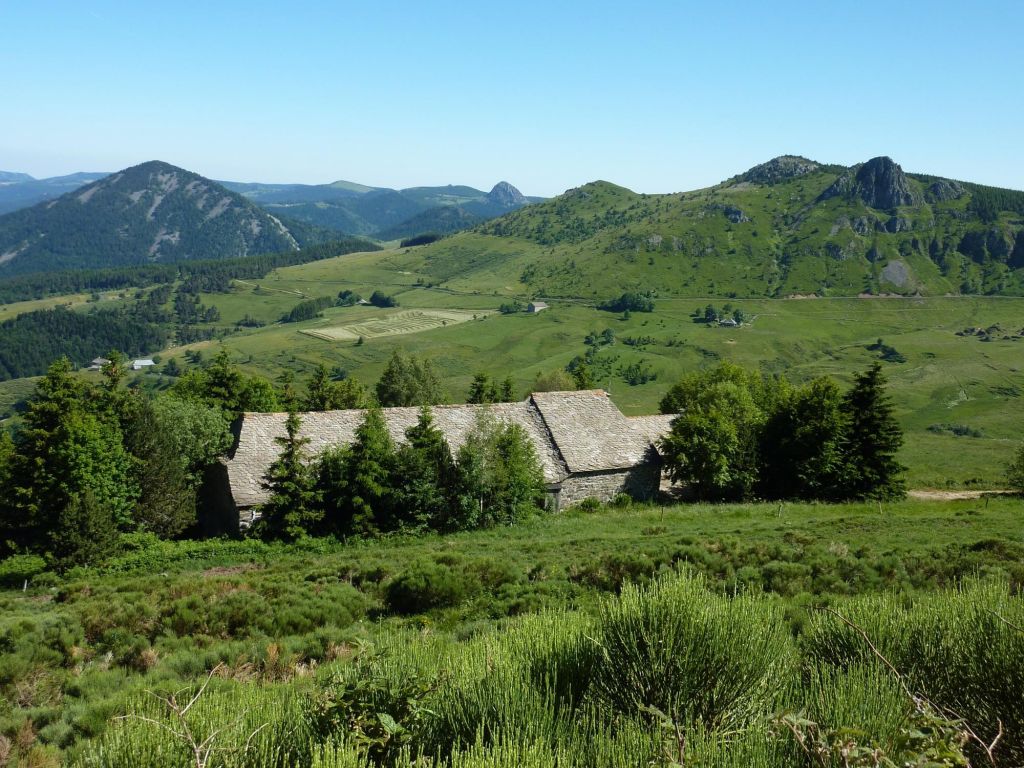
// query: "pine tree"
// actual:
[[871, 439], [365, 501], [408, 381], [508, 390], [480, 389], [426, 473], [291, 511], [64, 452]]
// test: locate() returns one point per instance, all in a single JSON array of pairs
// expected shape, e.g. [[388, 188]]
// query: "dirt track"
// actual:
[[954, 495]]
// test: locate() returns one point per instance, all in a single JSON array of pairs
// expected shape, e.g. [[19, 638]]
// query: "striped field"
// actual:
[[407, 321]]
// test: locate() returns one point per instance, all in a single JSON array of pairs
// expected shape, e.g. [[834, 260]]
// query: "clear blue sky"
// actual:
[[656, 96]]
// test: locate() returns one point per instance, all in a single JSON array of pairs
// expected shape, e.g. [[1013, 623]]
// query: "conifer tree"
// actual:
[[291, 511], [64, 453], [871, 439], [408, 381], [366, 501], [426, 471], [480, 389], [508, 391], [324, 394]]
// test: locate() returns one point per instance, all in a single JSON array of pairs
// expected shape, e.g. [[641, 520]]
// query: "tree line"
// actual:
[[206, 275], [741, 436]]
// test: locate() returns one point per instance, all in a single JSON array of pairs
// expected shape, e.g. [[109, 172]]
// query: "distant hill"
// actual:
[[385, 213], [153, 212], [19, 190], [788, 226], [341, 206]]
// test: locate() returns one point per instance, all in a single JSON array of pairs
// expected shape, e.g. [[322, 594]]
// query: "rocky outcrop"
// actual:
[[878, 183], [507, 196], [735, 215], [943, 190], [780, 169], [896, 224]]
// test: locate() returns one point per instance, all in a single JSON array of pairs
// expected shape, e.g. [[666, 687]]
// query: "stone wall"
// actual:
[[641, 482]]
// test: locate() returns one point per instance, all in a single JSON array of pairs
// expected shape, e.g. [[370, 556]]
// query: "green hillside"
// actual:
[[790, 226]]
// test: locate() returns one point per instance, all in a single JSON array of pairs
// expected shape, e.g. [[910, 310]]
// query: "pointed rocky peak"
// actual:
[[878, 183], [780, 169], [505, 195]]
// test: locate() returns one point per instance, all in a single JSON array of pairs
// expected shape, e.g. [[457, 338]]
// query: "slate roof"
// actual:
[[653, 427], [590, 432], [572, 432]]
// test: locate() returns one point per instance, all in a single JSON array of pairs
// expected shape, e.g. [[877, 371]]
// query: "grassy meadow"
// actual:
[[947, 384], [509, 646]]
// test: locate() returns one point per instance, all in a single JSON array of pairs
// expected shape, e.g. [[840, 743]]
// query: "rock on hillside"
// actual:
[[150, 212], [780, 169], [505, 195], [878, 183]]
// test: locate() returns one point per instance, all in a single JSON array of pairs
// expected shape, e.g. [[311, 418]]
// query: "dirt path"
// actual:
[[954, 495]]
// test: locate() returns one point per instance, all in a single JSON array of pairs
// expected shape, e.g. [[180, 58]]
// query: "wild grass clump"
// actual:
[[697, 657], [962, 650]]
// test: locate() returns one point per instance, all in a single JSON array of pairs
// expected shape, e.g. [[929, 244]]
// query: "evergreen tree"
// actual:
[[482, 390], [871, 439], [426, 471], [408, 381], [64, 453], [520, 479], [291, 511], [167, 500], [508, 391], [88, 532], [364, 503], [499, 477], [325, 394]]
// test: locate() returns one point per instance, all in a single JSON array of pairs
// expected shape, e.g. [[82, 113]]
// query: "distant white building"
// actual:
[[97, 364], [535, 306], [138, 365]]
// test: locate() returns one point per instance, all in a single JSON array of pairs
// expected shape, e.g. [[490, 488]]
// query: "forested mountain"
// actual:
[[789, 226], [342, 206], [152, 212], [19, 190], [385, 213]]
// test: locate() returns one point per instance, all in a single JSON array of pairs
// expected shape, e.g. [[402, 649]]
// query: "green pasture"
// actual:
[[482, 613], [946, 379]]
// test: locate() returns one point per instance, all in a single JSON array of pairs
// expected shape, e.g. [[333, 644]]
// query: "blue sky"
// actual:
[[656, 96]]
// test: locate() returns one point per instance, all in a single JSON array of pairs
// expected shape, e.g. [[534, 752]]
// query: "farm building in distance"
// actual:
[[535, 306], [587, 447]]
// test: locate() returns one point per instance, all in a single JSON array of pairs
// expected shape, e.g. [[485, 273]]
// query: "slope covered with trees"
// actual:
[[153, 212]]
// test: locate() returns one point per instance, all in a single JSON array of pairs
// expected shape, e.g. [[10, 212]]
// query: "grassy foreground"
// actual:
[[510, 646]]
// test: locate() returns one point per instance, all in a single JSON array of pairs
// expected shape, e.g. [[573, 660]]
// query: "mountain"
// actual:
[[19, 190], [341, 206], [386, 214], [788, 226], [150, 212]]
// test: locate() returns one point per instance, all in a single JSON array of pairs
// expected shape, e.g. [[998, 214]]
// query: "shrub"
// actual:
[[427, 585], [16, 570], [699, 657]]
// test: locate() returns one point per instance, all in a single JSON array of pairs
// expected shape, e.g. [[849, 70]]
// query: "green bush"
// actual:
[[698, 657], [428, 585], [16, 570]]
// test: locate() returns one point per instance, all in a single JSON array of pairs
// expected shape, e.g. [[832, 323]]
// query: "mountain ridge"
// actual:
[[150, 212], [786, 227]]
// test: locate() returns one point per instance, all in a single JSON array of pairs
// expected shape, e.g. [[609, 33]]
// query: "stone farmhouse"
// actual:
[[587, 447]]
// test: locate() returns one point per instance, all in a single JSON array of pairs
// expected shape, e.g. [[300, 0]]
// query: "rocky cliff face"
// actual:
[[505, 195], [878, 183]]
